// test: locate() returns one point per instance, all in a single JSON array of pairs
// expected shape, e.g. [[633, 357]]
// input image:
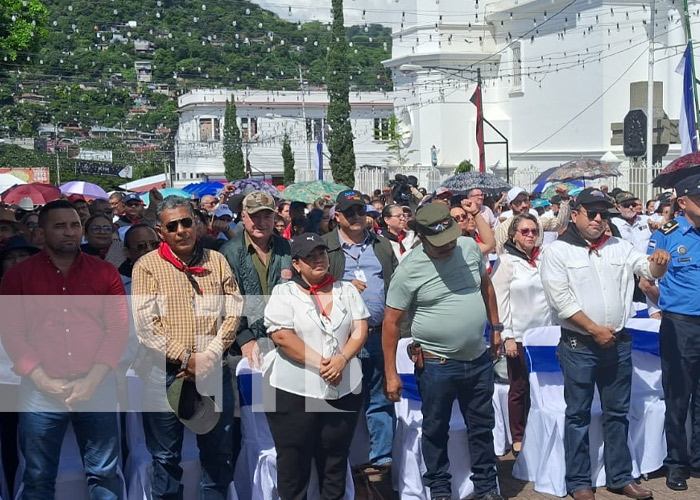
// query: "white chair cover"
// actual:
[[258, 458], [542, 458]]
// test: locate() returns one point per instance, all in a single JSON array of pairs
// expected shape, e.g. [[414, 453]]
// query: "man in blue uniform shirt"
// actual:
[[679, 335]]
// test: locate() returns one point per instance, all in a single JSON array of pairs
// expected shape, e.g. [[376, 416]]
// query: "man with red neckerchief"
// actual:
[[186, 310], [588, 280]]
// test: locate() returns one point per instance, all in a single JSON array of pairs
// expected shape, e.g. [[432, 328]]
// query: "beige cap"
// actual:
[[7, 216], [258, 201]]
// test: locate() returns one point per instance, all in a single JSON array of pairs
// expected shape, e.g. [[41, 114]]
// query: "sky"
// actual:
[[376, 11]]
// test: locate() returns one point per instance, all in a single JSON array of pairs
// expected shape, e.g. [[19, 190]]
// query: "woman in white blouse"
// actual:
[[318, 326], [521, 305]]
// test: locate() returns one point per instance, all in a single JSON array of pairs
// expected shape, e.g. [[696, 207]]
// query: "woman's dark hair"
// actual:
[[93, 218], [313, 221], [513, 228], [386, 212]]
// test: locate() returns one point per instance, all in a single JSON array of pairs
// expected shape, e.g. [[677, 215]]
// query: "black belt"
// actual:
[[567, 334], [374, 329], [695, 320]]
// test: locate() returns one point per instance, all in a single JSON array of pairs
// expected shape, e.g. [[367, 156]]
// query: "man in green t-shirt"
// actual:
[[446, 291]]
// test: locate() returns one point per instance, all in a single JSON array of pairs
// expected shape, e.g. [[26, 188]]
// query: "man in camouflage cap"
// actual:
[[260, 260]]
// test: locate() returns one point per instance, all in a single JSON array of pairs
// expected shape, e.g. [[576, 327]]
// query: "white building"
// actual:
[[556, 76], [264, 118]]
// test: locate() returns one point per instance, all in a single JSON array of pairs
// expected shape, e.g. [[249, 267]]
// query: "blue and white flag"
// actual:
[[318, 160], [687, 128]]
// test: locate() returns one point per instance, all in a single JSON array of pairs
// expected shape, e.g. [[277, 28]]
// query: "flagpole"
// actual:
[[480, 123], [650, 105], [689, 38]]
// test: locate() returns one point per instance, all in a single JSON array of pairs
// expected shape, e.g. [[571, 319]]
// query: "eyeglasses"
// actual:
[[101, 229], [460, 218], [632, 204], [352, 212], [521, 201], [147, 245], [172, 226], [527, 232], [592, 214]]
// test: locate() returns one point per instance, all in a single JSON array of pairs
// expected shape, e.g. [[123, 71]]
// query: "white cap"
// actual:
[[26, 204], [513, 194], [222, 210]]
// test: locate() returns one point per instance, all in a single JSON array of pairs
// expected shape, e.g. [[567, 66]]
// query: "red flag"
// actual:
[[476, 101]]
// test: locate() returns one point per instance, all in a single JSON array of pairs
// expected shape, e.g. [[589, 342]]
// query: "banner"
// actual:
[[476, 101], [687, 128], [103, 169], [38, 174], [95, 155]]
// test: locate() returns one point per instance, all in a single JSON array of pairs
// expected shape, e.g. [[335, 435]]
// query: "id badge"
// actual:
[[360, 275]]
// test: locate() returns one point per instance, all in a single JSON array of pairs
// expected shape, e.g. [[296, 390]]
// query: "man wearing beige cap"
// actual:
[[8, 226], [260, 260]]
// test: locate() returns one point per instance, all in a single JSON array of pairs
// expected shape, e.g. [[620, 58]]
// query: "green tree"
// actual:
[[340, 143], [464, 166], [22, 27], [234, 167], [287, 160]]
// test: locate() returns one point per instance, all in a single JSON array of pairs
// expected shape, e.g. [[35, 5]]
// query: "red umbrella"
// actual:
[[680, 168], [41, 194]]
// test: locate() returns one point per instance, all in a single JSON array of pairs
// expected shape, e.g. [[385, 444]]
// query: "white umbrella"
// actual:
[[9, 180]]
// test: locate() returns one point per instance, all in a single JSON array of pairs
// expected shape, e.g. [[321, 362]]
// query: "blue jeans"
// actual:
[[379, 411], [471, 383], [41, 434], [586, 365], [164, 436]]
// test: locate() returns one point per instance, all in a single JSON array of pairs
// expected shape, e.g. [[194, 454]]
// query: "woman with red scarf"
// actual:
[[318, 326], [521, 305]]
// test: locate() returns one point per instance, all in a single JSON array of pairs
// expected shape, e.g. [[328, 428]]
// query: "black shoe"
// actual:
[[491, 495], [676, 479]]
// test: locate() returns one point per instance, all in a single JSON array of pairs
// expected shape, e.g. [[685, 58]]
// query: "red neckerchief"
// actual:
[[400, 237], [313, 289], [167, 254], [287, 233], [593, 247], [533, 260]]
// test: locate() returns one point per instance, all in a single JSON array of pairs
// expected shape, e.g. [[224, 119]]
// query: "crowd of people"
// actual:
[[317, 296]]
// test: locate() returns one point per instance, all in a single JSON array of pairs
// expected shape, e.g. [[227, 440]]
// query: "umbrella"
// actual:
[[489, 183], [204, 188], [84, 189], [245, 186], [41, 194], [680, 168], [549, 192], [583, 168], [310, 191], [146, 197], [9, 180]]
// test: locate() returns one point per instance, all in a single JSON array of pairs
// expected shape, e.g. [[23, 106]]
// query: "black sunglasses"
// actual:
[[592, 214], [172, 226], [629, 204], [351, 212], [147, 245]]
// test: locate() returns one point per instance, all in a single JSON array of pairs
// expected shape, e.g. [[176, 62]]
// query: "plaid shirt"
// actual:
[[171, 317]]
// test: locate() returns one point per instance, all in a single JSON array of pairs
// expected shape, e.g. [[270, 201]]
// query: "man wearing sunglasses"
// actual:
[[632, 226], [588, 280], [519, 202], [366, 260]]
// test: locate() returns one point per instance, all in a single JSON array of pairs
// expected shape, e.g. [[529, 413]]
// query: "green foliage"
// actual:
[[340, 143], [464, 166], [22, 28], [287, 160], [234, 166], [398, 155]]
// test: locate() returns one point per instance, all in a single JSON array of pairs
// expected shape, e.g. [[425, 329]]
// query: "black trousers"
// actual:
[[301, 433], [679, 346]]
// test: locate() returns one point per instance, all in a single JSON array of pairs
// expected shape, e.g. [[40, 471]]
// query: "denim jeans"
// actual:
[[164, 437], [42, 429], [471, 383], [586, 365], [379, 411], [679, 343]]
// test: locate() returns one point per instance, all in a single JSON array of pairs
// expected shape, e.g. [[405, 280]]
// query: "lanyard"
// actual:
[[363, 247]]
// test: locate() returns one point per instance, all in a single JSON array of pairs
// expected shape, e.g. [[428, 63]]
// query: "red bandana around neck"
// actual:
[[313, 289], [400, 237], [166, 253], [533, 260], [593, 247]]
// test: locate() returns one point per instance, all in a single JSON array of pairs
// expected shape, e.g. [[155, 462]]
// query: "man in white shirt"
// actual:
[[519, 202], [633, 227], [588, 280], [477, 196]]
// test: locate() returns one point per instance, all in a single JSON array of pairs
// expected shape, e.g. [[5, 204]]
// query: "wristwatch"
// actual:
[[188, 355], [497, 327]]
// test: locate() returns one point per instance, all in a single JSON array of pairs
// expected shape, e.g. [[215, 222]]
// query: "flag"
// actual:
[[318, 161], [687, 128], [476, 101]]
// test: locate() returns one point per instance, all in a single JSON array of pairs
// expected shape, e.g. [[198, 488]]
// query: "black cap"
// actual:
[[412, 180], [664, 197], [347, 199], [590, 196], [304, 244], [689, 186], [17, 242]]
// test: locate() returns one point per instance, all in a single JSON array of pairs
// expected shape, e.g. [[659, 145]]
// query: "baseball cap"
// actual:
[[442, 191], [223, 211], [589, 196], [26, 204], [689, 186], [7, 216], [513, 193], [664, 197], [132, 198], [625, 196], [257, 201], [305, 243], [196, 412], [540, 203], [433, 221], [347, 199]]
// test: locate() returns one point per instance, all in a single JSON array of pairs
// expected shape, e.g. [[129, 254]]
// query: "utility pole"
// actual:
[[303, 113], [650, 105], [55, 149]]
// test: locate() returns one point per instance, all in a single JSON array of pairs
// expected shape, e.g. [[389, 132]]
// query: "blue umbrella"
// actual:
[[204, 188]]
